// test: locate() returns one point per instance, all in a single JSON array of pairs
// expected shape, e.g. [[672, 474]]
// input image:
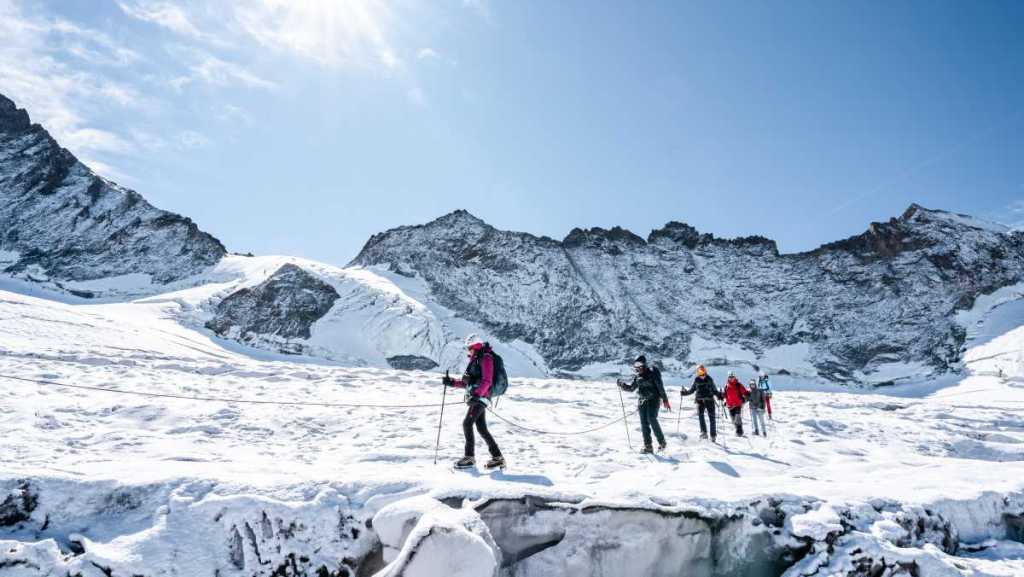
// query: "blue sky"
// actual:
[[304, 127]]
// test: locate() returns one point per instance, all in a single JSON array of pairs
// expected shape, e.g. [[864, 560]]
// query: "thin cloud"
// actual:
[[202, 66], [35, 73], [349, 33], [427, 54], [335, 34], [213, 70], [163, 14], [192, 139], [96, 140], [234, 115]]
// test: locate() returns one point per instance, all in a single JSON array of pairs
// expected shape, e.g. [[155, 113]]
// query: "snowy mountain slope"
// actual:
[[98, 483], [60, 222], [874, 308], [877, 308]]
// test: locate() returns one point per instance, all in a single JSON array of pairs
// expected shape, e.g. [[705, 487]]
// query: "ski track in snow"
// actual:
[[956, 442]]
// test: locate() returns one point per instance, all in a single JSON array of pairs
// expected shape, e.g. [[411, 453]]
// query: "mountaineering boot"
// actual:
[[646, 450], [661, 446], [495, 462], [465, 463], [703, 436]]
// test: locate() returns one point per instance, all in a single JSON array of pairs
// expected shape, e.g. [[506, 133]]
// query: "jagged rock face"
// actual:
[[62, 221], [885, 296], [280, 308]]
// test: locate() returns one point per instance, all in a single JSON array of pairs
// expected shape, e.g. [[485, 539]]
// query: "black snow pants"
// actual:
[[737, 418], [476, 416], [649, 420], [707, 406]]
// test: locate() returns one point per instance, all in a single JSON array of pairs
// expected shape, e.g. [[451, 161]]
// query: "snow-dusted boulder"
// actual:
[[423, 537]]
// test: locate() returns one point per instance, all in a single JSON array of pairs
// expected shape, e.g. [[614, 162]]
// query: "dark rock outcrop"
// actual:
[[283, 307], [18, 506], [411, 363]]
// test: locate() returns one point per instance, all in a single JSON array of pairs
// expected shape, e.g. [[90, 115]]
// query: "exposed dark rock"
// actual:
[[283, 307], [18, 506], [411, 363]]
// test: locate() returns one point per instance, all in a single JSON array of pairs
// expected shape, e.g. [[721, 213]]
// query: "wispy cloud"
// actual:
[[91, 45], [333, 33], [213, 70], [165, 14], [351, 33], [37, 70], [233, 114], [192, 139], [427, 54]]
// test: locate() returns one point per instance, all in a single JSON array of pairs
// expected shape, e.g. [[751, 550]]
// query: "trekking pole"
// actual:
[[679, 417], [440, 420], [624, 419]]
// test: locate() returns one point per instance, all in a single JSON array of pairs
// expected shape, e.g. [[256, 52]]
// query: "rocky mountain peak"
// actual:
[[12, 118], [599, 236], [458, 217], [62, 222], [917, 228]]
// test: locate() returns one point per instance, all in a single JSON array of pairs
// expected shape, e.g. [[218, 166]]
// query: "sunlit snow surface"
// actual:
[[948, 444]]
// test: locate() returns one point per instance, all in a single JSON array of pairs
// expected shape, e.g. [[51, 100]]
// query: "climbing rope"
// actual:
[[220, 399], [44, 382], [563, 433]]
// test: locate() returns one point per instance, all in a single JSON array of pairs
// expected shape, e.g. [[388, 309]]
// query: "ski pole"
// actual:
[[440, 420], [624, 419]]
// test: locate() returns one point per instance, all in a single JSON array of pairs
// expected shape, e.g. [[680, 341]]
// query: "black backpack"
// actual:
[[499, 380], [706, 389]]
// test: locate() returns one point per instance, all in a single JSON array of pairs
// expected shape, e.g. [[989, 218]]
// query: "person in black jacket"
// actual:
[[651, 394], [706, 391]]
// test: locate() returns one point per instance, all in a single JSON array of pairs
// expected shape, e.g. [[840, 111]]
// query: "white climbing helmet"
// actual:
[[473, 339]]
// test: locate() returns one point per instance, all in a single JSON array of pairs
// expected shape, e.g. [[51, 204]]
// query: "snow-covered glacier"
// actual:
[[926, 481]]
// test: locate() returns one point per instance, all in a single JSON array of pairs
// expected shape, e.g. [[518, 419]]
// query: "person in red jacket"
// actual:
[[735, 395]]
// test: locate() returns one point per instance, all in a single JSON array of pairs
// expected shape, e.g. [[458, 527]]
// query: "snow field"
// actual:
[[139, 482]]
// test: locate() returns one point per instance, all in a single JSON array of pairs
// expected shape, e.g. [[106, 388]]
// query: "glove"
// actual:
[[447, 381], [667, 405]]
